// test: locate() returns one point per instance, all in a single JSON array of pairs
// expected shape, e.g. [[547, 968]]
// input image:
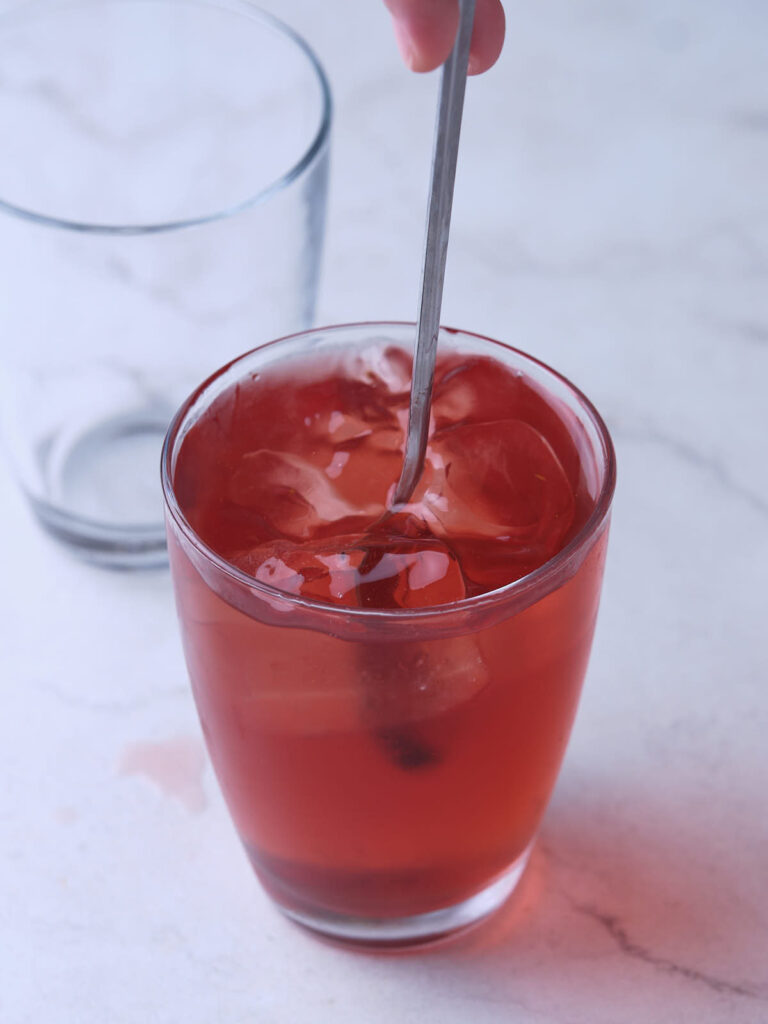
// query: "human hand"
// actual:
[[426, 30]]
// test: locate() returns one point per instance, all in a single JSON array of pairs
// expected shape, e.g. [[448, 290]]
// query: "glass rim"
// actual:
[[543, 579], [316, 144]]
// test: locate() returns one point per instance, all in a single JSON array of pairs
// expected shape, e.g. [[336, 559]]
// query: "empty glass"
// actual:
[[162, 202]]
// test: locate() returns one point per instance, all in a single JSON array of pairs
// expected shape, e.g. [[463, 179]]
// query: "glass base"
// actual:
[[401, 932], [103, 498], [112, 547]]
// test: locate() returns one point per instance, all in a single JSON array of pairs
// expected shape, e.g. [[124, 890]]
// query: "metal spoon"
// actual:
[[444, 156]]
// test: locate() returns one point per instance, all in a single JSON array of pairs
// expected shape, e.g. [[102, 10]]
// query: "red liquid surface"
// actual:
[[386, 774]]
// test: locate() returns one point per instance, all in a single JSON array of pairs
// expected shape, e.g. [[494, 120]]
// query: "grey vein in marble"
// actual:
[[629, 947], [52, 95], [750, 120], [173, 296], [751, 331], [691, 455]]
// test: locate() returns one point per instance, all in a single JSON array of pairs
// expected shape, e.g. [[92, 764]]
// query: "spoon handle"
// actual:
[[446, 148]]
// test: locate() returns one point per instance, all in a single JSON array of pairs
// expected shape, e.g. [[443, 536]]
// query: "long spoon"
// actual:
[[445, 153]]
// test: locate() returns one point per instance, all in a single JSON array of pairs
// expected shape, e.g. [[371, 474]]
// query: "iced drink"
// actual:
[[386, 691]]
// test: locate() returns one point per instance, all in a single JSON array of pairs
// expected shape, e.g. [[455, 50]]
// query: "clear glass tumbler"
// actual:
[[162, 200], [386, 770]]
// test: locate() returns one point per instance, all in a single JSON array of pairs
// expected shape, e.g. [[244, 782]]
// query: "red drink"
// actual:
[[385, 713]]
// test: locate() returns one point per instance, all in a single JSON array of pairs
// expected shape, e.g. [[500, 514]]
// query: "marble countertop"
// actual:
[[611, 216]]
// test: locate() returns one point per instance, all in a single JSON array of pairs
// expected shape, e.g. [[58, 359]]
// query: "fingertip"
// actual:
[[425, 32], [487, 36], [405, 45]]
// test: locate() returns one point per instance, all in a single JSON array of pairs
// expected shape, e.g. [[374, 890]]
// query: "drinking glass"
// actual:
[[162, 200], [387, 770]]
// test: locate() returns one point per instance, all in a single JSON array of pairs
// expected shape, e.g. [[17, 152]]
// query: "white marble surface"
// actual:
[[611, 216]]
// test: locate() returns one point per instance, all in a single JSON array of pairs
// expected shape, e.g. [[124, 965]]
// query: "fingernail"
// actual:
[[405, 45]]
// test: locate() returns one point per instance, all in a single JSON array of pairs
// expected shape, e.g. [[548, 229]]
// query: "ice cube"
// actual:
[[471, 389], [360, 571], [416, 680], [498, 492], [361, 397], [408, 687], [386, 368], [365, 471], [358, 437], [296, 497]]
